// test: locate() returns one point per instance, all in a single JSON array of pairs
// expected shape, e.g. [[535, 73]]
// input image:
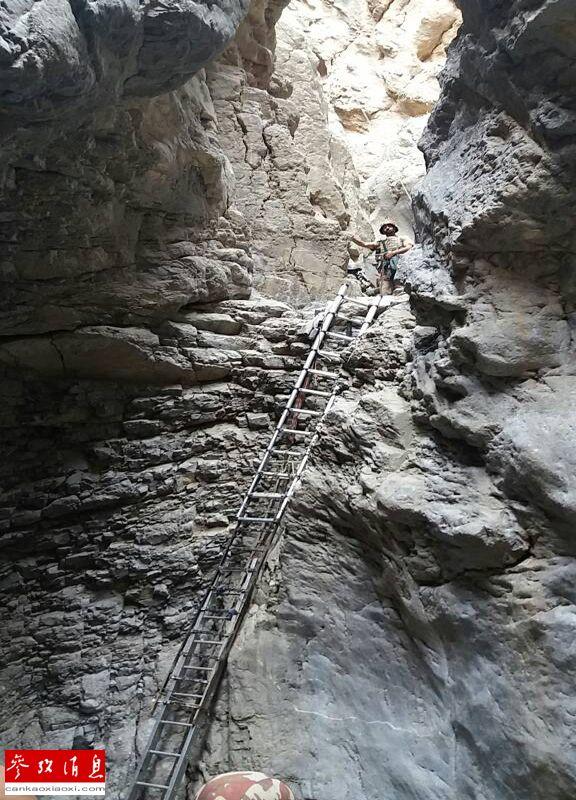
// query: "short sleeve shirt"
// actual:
[[388, 243]]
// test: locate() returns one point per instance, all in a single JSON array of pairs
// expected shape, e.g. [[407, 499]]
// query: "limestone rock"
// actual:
[[123, 452], [218, 323], [534, 453], [417, 615], [412, 636], [93, 55], [375, 68]]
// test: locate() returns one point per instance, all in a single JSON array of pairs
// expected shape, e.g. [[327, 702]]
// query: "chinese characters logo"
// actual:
[[73, 772]]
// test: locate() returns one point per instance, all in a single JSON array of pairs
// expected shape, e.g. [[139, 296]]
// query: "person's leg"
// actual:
[[365, 284], [381, 280], [384, 282], [392, 272]]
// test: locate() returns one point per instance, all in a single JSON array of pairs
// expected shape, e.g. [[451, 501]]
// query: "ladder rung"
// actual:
[[316, 392], [351, 320], [323, 373], [296, 453], [277, 474], [217, 609], [343, 336], [176, 701], [151, 785], [245, 549], [205, 641], [227, 570], [357, 301], [201, 630]]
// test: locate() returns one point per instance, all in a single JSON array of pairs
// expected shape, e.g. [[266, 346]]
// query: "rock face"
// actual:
[[138, 379], [329, 143], [414, 635], [111, 191], [298, 253], [116, 503], [495, 274], [373, 67]]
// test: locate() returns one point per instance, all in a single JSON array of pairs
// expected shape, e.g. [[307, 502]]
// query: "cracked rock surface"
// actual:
[[414, 636], [373, 66], [138, 373], [413, 633], [117, 500]]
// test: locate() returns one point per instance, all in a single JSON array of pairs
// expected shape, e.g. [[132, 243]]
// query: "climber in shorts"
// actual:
[[388, 250]]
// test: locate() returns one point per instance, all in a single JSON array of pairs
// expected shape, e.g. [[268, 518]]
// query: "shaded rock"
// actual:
[[534, 452], [123, 354], [217, 323], [258, 421]]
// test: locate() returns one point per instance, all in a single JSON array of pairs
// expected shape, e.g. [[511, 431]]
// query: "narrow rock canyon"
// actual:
[[179, 185]]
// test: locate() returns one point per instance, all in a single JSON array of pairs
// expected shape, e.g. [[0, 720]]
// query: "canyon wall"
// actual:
[[414, 635], [374, 66], [324, 146], [138, 377]]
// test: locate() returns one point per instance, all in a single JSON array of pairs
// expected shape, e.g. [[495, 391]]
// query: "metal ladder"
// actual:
[[196, 672]]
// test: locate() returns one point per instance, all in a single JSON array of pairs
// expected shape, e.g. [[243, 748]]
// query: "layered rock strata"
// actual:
[[138, 379], [117, 501], [414, 635]]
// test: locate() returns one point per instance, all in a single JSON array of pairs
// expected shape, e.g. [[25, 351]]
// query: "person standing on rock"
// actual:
[[388, 250]]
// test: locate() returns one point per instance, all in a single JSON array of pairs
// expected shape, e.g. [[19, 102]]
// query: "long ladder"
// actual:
[[187, 694]]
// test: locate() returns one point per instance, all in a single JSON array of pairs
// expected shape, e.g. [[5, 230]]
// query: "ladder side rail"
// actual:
[[293, 395], [319, 339], [235, 619], [303, 463], [265, 534], [206, 600], [179, 768], [255, 554], [241, 607]]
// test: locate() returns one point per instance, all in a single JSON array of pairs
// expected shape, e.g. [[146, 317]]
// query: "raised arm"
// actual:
[[368, 245]]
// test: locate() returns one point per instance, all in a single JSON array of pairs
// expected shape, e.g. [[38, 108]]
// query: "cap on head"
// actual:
[[244, 786], [388, 224]]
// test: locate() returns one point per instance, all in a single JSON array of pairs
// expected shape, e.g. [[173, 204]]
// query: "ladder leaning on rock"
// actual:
[[199, 666]]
